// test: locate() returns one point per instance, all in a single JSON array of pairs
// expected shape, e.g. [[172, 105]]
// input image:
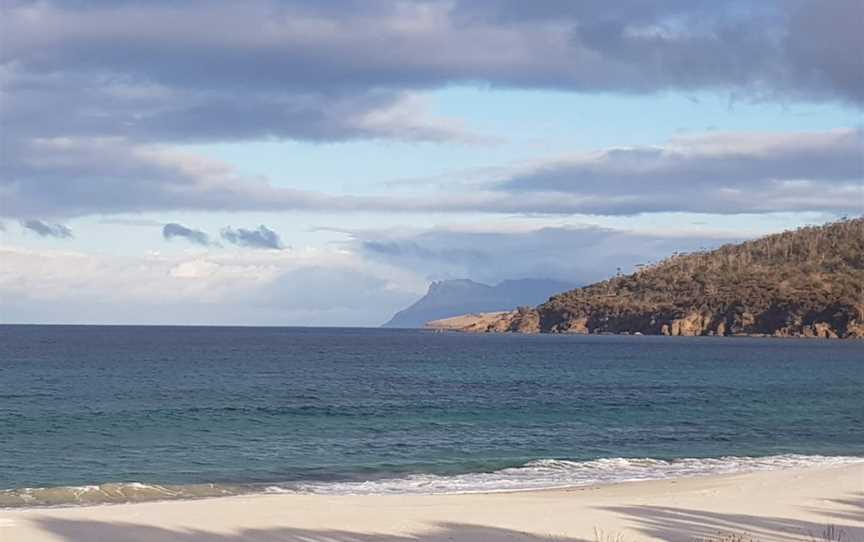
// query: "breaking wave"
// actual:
[[113, 493], [557, 473], [534, 475]]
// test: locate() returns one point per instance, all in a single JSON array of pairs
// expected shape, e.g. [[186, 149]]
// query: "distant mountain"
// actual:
[[803, 283], [451, 297]]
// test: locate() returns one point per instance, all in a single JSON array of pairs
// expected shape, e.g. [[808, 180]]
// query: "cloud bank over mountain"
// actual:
[[570, 254]]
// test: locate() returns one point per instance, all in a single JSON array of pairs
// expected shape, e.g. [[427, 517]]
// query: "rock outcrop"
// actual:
[[806, 283]]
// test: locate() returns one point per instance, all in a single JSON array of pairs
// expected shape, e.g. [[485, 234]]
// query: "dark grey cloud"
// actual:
[[86, 80], [218, 70], [44, 229], [824, 46], [572, 254], [724, 160], [72, 177], [594, 11], [788, 48], [262, 237], [714, 173], [157, 114], [173, 230]]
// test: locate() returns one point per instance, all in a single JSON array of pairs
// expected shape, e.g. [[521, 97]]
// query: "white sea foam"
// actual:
[[554, 473], [112, 493], [540, 474]]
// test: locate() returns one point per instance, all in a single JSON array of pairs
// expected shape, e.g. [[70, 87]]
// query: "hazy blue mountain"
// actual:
[[454, 297]]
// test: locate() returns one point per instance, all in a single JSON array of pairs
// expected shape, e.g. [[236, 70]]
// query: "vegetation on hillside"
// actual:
[[807, 282]]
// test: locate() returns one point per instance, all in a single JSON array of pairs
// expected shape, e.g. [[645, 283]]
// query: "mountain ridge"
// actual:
[[452, 297]]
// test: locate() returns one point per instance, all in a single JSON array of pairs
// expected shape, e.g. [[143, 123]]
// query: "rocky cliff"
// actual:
[[803, 283]]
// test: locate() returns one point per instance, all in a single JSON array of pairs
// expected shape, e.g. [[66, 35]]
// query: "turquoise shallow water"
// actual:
[[196, 410]]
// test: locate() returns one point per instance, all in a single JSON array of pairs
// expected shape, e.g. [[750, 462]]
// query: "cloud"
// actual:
[[407, 249], [87, 80], [182, 116], [714, 173], [262, 237], [43, 229], [354, 284], [71, 177], [823, 46], [286, 287], [326, 289], [198, 237], [136, 222], [575, 254], [294, 70], [267, 50], [708, 160]]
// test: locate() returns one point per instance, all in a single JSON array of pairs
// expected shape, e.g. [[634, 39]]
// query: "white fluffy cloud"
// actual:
[[284, 287], [373, 275]]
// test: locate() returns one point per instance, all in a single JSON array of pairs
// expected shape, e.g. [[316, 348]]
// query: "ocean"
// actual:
[[92, 414]]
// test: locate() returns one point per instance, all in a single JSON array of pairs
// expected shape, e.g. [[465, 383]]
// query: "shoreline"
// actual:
[[637, 334], [785, 504], [535, 475]]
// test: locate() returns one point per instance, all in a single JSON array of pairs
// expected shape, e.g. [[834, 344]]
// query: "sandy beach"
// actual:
[[783, 505]]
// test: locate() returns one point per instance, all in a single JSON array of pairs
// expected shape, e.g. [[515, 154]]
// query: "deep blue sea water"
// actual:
[[186, 411]]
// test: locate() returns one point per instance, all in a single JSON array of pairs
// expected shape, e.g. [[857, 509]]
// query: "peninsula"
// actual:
[[803, 283]]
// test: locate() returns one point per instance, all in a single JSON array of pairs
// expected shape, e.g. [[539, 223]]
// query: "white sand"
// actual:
[[788, 505]]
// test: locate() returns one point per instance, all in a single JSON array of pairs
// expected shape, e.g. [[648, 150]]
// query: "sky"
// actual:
[[301, 162]]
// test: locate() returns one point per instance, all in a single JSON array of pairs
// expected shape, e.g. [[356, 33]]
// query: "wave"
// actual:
[[534, 475], [113, 493], [558, 473]]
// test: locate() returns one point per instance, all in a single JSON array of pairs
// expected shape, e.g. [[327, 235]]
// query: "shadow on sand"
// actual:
[[853, 508], [95, 531], [681, 524], [664, 523]]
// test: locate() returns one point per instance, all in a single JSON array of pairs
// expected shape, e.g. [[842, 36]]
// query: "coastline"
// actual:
[[786, 504], [813, 338]]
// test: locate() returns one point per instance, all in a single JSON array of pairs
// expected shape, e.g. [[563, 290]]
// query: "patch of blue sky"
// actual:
[[532, 125], [528, 125]]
